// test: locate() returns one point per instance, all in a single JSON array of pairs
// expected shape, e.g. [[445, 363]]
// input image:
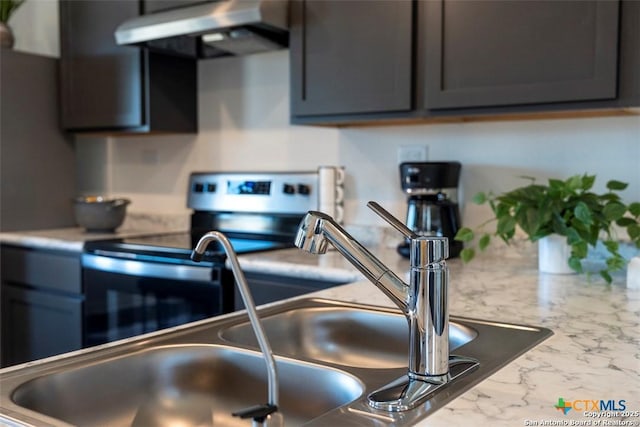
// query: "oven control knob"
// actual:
[[288, 189], [304, 189]]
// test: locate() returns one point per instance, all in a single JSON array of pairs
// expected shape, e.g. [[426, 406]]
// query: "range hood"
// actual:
[[211, 29]]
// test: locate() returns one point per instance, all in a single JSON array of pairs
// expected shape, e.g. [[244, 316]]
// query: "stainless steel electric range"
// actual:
[[142, 284]]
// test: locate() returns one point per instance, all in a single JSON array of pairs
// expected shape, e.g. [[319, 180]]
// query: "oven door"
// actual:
[[124, 297]]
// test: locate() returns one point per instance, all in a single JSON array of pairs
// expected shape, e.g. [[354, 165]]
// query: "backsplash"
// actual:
[[244, 125], [142, 221]]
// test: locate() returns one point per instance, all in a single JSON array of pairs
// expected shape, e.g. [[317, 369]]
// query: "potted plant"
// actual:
[[7, 7], [567, 208]]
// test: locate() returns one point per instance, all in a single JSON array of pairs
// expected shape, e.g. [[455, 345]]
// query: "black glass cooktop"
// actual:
[[176, 247]]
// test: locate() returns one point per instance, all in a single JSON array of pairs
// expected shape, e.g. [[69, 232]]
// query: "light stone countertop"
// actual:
[[73, 238], [61, 239], [594, 353]]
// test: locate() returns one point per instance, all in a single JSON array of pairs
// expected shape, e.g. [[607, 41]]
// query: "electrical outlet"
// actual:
[[413, 153]]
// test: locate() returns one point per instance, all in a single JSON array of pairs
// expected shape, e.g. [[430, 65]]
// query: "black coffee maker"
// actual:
[[433, 209]]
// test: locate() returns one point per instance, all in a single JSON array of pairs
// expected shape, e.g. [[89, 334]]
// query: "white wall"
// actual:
[[244, 125]]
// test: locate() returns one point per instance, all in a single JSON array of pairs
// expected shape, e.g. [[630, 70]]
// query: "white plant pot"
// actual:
[[553, 255]]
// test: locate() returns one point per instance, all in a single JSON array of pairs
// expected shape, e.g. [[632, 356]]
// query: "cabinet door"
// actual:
[[151, 6], [496, 52], [101, 82], [350, 57], [59, 272], [267, 288], [38, 324]]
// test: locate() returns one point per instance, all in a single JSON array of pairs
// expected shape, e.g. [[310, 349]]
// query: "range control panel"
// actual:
[[272, 192]]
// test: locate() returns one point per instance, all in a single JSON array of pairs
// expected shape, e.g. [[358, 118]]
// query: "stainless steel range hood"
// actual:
[[211, 29]]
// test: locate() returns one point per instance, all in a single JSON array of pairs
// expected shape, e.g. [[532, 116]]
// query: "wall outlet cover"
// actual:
[[413, 153]]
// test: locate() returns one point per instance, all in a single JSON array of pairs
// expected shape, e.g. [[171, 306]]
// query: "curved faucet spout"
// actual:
[[317, 230], [423, 301], [266, 412]]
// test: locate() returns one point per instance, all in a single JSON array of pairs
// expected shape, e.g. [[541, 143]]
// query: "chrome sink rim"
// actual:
[[358, 412]]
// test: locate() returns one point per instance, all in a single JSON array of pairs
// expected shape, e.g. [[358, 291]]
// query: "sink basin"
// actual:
[[330, 356], [186, 385], [345, 336]]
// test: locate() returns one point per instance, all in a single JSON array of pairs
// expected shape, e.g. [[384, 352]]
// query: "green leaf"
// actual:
[[625, 222], [467, 254], [606, 276], [574, 183], [611, 245], [588, 181], [616, 262], [7, 7], [506, 226], [559, 226], [535, 219], [480, 198], [572, 236], [634, 208], [583, 213], [634, 231], [484, 242], [501, 209], [556, 184], [614, 211], [616, 185], [465, 234], [539, 235], [575, 264], [608, 197], [580, 250]]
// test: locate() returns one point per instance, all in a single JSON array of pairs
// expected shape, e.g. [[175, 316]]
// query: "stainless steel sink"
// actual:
[[186, 385], [330, 355], [346, 336]]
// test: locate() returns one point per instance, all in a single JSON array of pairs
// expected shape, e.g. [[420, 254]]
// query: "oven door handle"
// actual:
[[147, 269]]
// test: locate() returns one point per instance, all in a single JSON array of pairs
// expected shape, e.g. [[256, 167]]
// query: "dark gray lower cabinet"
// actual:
[[267, 288], [37, 324], [41, 304]]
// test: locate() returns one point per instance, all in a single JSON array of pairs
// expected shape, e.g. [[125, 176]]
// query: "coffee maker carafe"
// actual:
[[432, 204]]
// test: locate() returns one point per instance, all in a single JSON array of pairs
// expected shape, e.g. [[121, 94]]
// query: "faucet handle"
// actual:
[[392, 220], [424, 250]]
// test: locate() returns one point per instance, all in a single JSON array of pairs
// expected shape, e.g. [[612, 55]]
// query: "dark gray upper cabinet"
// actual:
[[151, 6], [111, 88], [350, 57], [461, 58], [496, 52]]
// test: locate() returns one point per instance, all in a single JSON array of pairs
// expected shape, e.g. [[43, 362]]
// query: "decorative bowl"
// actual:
[[99, 214]]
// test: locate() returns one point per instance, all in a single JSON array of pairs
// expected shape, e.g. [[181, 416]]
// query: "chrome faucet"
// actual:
[[423, 301], [263, 415]]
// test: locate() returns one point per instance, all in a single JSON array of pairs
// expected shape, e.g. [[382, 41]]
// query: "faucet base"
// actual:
[[406, 393]]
